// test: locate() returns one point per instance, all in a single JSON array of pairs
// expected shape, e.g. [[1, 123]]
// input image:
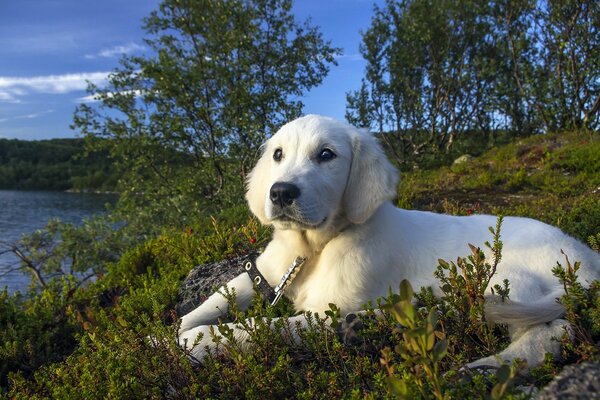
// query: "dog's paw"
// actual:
[[491, 362], [200, 341], [348, 329]]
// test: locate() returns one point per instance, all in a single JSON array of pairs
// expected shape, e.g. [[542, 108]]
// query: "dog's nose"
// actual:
[[283, 194]]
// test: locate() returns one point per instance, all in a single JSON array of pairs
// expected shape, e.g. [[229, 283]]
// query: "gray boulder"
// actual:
[[203, 280], [465, 158], [577, 381]]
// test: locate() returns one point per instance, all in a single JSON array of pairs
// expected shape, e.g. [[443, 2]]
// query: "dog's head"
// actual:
[[315, 170]]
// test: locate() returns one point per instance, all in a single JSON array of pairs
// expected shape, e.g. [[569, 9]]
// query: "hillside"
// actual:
[[56, 164], [554, 178]]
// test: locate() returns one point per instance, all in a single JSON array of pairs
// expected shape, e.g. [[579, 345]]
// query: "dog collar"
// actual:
[[267, 292]]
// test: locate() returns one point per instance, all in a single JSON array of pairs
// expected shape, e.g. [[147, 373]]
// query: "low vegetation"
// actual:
[[63, 340], [554, 178]]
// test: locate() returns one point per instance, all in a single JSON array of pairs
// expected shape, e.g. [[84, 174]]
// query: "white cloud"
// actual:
[[117, 51], [351, 57], [7, 97], [46, 42], [34, 115], [91, 98], [27, 116], [11, 88]]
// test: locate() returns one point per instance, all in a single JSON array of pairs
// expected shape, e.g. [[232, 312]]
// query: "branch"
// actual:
[[27, 263]]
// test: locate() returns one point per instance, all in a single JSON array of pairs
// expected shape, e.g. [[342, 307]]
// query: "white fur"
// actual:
[[359, 245]]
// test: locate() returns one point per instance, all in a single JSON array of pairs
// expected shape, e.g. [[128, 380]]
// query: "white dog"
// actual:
[[326, 188]]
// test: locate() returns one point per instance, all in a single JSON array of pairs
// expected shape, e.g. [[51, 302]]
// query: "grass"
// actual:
[[554, 178]]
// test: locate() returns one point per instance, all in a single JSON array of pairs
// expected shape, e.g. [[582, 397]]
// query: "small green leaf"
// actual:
[[398, 387], [432, 317], [406, 290], [439, 350], [122, 322], [503, 373], [406, 311], [430, 341]]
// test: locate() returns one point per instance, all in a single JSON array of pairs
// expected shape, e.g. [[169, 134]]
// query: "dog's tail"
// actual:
[[523, 314]]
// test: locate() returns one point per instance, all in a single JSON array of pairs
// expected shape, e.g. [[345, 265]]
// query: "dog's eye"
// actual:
[[277, 155], [326, 155]]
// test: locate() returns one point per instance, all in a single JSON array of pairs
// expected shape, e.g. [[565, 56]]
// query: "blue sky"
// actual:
[[49, 48]]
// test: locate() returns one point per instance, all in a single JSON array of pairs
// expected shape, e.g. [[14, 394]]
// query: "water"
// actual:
[[23, 212]]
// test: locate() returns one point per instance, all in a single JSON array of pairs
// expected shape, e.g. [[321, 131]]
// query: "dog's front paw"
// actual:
[[491, 362], [348, 329], [200, 341]]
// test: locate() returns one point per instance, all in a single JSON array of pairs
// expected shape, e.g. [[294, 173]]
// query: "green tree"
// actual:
[[514, 38], [568, 73], [427, 72], [439, 70], [185, 122]]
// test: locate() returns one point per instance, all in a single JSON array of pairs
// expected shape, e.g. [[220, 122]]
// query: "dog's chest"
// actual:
[[321, 283]]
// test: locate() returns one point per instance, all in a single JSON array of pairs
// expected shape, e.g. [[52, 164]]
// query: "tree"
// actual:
[[184, 124], [426, 72], [439, 70], [514, 35], [568, 84]]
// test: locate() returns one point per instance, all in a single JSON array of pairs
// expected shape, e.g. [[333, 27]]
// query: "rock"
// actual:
[[203, 280], [465, 158], [577, 381]]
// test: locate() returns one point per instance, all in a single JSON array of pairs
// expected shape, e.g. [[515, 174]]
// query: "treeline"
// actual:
[[439, 70], [56, 164]]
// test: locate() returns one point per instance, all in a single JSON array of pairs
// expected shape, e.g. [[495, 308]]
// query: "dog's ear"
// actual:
[[372, 179], [256, 187]]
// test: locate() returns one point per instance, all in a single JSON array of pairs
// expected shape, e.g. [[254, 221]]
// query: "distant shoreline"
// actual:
[[92, 191]]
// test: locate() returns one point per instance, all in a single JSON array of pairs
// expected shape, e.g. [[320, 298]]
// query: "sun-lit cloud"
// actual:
[[117, 51], [91, 98], [11, 88]]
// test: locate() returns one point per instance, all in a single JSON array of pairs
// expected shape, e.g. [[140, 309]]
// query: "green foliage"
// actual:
[[419, 349], [74, 253], [57, 164], [115, 337], [438, 71], [551, 177], [582, 310], [568, 34], [464, 286], [594, 241], [191, 115], [35, 331]]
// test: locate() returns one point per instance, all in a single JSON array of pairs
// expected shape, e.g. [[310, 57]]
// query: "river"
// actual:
[[23, 212]]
